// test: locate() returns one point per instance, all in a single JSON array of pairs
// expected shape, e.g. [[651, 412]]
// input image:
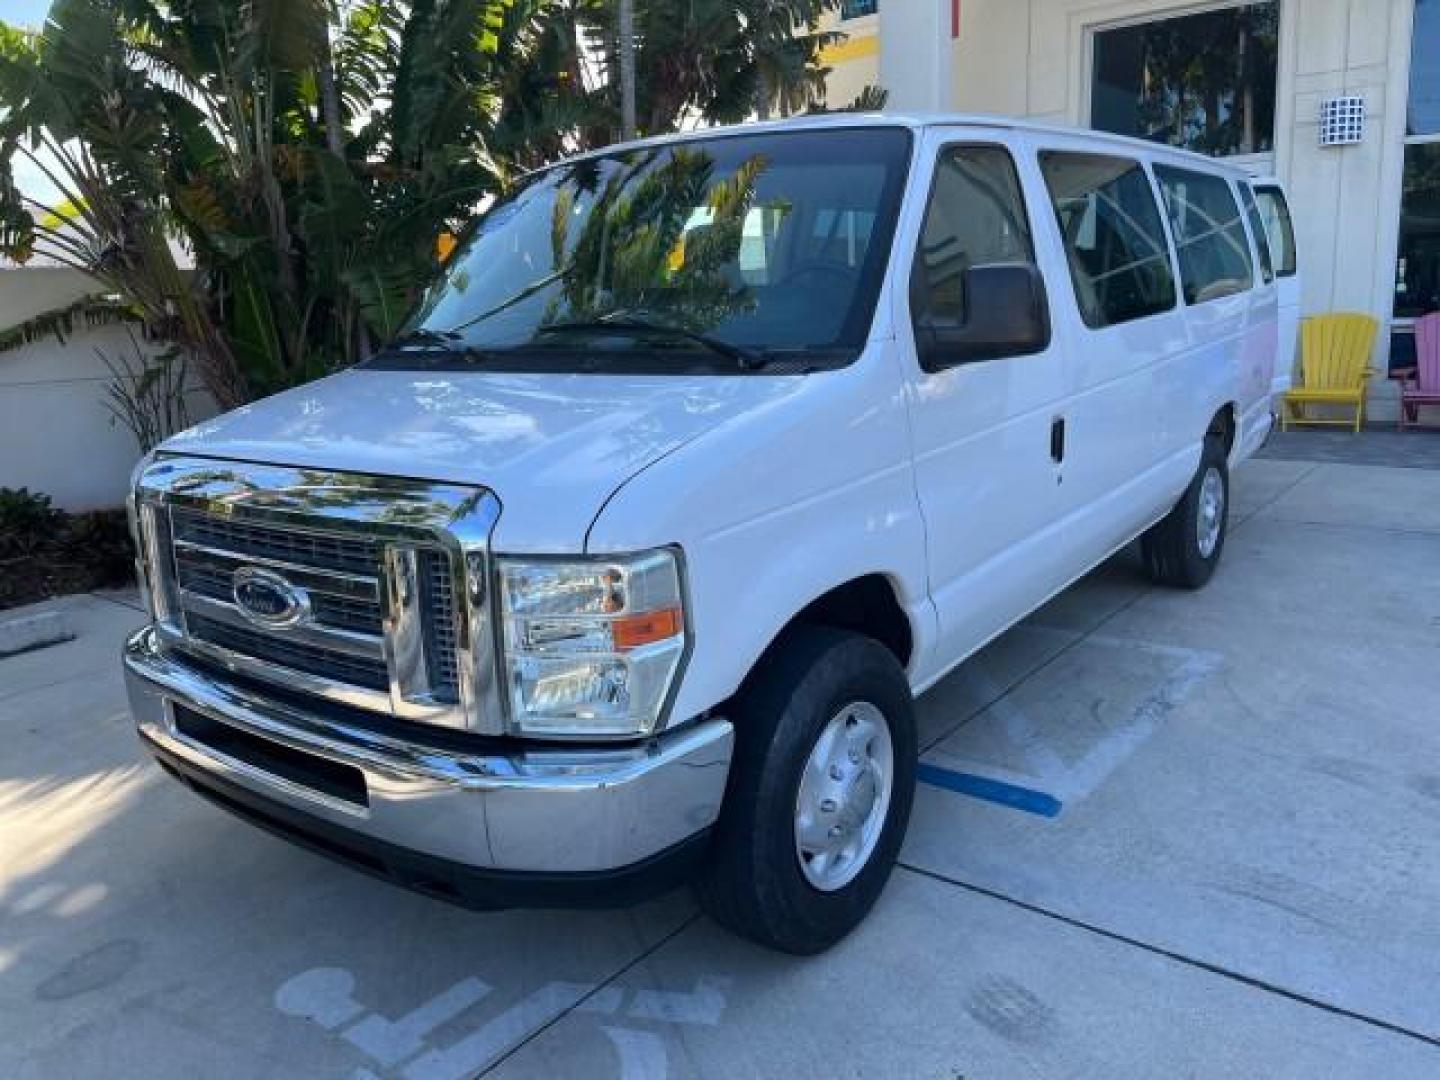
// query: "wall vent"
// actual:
[[1342, 121]]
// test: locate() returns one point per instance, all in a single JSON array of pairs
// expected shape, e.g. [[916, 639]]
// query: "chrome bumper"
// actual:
[[552, 810]]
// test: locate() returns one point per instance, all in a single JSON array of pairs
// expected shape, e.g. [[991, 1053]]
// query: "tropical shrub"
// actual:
[[305, 156], [45, 552]]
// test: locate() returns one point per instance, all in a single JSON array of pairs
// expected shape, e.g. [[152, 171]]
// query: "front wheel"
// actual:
[[819, 794], [1185, 547]]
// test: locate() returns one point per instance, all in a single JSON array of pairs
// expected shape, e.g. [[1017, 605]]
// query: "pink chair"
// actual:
[[1424, 389]]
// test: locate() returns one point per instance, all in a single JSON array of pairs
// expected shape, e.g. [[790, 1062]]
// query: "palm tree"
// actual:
[[263, 183]]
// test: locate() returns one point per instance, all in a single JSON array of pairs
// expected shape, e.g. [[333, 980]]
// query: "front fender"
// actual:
[[773, 510]]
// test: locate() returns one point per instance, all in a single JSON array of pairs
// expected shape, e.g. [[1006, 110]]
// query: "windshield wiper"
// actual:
[[748, 359], [423, 342], [422, 335]]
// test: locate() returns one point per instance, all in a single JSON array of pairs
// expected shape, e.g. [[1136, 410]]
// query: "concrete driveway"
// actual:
[[1160, 834]]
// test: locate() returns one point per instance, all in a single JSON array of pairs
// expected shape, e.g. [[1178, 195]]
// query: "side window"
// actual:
[[1114, 240], [1209, 236], [1275, 213], [976, 217], [1257, 230]]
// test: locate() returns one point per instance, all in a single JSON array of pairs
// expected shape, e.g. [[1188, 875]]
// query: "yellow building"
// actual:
[[855, 62]]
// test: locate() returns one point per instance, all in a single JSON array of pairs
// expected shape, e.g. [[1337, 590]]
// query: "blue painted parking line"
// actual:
[[995, 791]]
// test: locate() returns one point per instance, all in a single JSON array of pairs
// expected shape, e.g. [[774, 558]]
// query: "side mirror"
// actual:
[[1007, 314]]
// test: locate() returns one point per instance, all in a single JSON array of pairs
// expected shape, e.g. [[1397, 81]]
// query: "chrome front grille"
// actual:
[[376, 612], [343, 635], [294, 655], [301, 547], [352, 605], [437, 600]]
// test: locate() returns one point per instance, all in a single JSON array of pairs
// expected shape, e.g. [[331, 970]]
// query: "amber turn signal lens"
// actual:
[[632, 631]]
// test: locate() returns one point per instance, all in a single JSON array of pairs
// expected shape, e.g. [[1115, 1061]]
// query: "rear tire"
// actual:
[[815, 726], [1184, 548]]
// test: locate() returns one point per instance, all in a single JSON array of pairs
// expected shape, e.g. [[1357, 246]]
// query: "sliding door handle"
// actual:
[[1057, 440]]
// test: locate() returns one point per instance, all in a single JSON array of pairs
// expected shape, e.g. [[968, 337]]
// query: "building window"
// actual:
[[1417, 270], [1204, 82], [858, 9]]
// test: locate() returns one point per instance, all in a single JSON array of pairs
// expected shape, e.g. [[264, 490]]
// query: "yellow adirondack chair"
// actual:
[[1334, 368]]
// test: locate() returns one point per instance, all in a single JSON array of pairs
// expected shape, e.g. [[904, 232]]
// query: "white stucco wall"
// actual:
[[916, 54], [55, 432]]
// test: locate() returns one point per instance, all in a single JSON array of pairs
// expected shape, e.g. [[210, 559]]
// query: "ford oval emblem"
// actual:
[[267, 599]]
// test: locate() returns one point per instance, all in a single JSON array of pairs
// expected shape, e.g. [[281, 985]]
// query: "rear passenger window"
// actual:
[[1114, 239], [1276, 214], [976, 217], [1257, 230], [1209, 236]]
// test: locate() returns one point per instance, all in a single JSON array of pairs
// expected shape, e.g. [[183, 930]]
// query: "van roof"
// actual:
[[921, 120]]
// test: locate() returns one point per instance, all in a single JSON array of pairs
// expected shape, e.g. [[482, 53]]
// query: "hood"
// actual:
[[552, 447]]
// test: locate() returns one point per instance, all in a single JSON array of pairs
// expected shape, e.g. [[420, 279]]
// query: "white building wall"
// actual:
[[1032, 58], [915, 54], [56, 436]]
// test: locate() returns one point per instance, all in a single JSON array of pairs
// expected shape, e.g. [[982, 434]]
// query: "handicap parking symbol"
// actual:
[[407, 1046]]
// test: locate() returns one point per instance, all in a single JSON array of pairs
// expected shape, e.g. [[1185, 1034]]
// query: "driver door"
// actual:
[[989, 435]]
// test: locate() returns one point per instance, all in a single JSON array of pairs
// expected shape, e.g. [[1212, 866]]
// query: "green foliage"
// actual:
[[147, 394], [45, 552], [59, 323], [100, 539], [27, 521], [307, 154]]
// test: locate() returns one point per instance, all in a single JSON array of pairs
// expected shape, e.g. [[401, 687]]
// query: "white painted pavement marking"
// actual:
[[392, 1041], [326, 996], [703, 1005], [481, 1049], [642, 1053]]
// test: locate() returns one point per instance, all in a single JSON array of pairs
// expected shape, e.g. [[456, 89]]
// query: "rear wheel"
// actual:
[[1185, 547], [819, 794]]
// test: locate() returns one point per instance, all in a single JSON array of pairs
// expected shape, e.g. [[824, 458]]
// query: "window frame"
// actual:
[[1156, 170], [913, 279], [1405, 324], [1172, 264]]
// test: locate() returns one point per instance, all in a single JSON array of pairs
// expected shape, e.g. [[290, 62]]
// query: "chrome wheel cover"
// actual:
[[844, 796], [1210, 521]]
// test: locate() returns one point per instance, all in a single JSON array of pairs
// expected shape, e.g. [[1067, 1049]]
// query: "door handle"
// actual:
[[1057, 440]]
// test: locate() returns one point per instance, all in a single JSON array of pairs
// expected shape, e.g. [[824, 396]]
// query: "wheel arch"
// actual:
[[868, 604], [1225, 424]]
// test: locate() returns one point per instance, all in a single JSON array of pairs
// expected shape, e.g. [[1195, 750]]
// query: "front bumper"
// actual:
[[492, 828]]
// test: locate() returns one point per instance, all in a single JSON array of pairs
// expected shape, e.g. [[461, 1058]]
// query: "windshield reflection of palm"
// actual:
[[747, 252], [634, 257]]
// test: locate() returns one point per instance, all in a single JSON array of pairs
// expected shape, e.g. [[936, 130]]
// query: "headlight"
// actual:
[[592, 647]]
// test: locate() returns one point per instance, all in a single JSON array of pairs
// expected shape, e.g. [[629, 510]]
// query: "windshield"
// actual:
[[734, 253]]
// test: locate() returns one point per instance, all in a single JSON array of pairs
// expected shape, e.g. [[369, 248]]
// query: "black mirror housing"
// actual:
[[1007, 314]]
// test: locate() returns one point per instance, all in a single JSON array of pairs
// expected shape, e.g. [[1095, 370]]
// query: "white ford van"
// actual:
[[623, 564]]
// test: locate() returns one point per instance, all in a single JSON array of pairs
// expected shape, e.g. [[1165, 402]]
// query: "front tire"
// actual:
[[819, 793], [1184, 549]]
